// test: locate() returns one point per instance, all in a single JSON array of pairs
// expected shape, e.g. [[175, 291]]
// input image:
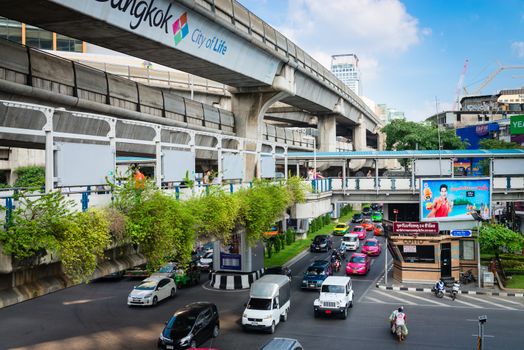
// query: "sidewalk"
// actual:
[[470, 288]]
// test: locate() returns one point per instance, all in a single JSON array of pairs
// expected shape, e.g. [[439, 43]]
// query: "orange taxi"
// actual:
[[379, 230], [367, 224]]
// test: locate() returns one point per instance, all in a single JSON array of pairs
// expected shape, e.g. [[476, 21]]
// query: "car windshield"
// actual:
[[340, 226], [259, 304], [378, 226], [320, 240], [358, 229], [149, 285], [167, 268], [208, 255], [353, 239], [357, 215], [332, 289], [315, 271], [357, 259], [181, 322], [371, 243]]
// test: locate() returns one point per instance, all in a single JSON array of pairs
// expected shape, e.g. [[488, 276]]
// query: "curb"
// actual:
[[231, 281], [428, 290]]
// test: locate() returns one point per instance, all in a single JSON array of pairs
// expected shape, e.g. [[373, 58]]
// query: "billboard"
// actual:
[[454, 199]]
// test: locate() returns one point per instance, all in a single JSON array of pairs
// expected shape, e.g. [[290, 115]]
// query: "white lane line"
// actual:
[[396, 298], [421, 298], [469, 304], [375, 300], [507, 301], [485, 335], [489, 302]]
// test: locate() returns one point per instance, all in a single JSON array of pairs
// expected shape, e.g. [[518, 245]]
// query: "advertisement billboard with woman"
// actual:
[[454, 199]]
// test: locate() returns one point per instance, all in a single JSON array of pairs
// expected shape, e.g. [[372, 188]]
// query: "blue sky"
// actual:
[[411, 51]]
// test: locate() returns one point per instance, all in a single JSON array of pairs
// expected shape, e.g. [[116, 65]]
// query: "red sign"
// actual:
[[395, 211], [415, 227]]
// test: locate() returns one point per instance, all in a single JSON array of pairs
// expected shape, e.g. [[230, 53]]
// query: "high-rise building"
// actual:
[[345, 67]]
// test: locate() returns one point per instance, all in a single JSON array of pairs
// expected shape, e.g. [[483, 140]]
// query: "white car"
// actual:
[[152, 290], [206, 261], [351, 241]]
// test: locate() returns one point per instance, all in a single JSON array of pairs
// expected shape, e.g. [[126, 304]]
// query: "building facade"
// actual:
[[345, 67]]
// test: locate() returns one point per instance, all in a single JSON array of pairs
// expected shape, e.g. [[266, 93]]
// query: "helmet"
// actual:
[[401, 309]]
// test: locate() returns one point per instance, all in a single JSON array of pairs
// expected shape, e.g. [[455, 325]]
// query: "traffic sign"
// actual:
[[460, 233]]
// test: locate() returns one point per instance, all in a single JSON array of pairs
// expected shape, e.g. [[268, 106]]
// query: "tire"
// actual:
[[216, 331], [272, 328], [351, 304], [193, 344], [345, 314], [283, 317], [440, 294], [316, 314], [173, 292], [155, 300]]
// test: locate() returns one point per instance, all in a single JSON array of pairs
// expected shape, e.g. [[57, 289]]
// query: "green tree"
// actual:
[[494, 237], [499, 144], [30, 177]]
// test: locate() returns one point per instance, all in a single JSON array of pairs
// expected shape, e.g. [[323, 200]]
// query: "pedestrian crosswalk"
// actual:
[[377, 296]]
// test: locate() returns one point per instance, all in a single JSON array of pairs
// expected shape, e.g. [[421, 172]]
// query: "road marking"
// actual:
[[485, 335], [421, 298], [375, 300], [211, 289], [466, 303], [396, 298], [372, 262], [490, 302], [507, 301]]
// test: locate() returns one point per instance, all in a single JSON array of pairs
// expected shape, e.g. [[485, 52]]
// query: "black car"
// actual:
[[376, 207], [366, 211], [278, 270], [190, 326], [357, 218], [321, 243]]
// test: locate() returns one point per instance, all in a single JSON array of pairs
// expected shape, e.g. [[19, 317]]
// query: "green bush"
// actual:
[[30, 177]]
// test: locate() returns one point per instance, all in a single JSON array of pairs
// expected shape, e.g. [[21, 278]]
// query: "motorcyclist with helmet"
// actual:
[[398, 319]]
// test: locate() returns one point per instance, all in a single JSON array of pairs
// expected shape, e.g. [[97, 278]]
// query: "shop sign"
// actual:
[[460, 233], [516, 126], [409, 248], [230, 261], [415, 227]]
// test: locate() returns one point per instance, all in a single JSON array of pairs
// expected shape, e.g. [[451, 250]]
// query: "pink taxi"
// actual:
[[359, 231], [371, 247], [358, 264]]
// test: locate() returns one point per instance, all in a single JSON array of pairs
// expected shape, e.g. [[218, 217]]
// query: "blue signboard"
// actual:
[[230, 261], [460, 233]]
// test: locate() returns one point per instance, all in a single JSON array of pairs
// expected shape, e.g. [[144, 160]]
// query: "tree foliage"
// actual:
[[495, 237], [407, 135], [498, 144], [30, 177]]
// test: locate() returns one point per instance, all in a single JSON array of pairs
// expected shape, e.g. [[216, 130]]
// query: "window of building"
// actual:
[[10, 30], [418, 253], [64, 43], [38, 38], [467, 250]]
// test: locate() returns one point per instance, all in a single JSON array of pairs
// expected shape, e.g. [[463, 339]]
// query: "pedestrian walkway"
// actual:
[[428, 299], [470, 288]]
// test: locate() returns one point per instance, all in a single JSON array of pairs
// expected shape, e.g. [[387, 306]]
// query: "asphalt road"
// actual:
[[95, 316]]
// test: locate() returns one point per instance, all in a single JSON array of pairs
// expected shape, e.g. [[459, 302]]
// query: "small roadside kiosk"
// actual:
[[444, 242], [422, 253]]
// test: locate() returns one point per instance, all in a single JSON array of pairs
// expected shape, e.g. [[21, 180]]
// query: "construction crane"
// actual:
[[459, 85], [491, 77]]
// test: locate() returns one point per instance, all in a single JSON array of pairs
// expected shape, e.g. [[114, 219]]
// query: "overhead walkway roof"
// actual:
[[428, 154]]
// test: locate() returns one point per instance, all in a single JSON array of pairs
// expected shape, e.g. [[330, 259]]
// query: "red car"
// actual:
[[358, 264], [371, 247], [368, 225], [359, 230], [379, 230]]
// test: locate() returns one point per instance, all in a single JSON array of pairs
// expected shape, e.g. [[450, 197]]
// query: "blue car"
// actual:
[[315, 274]]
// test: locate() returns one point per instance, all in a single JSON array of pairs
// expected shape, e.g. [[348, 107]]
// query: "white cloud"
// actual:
[[374, 30], [518, 47]]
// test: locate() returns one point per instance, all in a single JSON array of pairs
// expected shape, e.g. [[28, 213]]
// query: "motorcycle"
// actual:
[[454, 290], [467, 277], [438, 289], [336, 265]]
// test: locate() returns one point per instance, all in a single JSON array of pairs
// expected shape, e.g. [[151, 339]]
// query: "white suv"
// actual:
[[336, 297], [351, 241]]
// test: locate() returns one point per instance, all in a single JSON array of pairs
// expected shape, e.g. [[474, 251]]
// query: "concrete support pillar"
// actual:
[[327, 129], [381, 141], [249, 109], [359, 135]]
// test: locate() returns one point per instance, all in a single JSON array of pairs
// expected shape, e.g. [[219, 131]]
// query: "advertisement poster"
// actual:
[[454, 199]]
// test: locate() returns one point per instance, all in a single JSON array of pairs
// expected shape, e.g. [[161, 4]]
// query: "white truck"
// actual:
[[269, 303], [336, 297]]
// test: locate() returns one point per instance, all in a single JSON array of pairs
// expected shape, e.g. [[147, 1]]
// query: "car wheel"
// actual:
[[173, 292], [193, 344], [155, 300], [316, 314], [345, 314], [272, 328], [351, 303], [283, 317], [216, 330]]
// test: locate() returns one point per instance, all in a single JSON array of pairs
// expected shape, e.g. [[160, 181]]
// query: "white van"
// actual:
[[269, 303], [351, 241]]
